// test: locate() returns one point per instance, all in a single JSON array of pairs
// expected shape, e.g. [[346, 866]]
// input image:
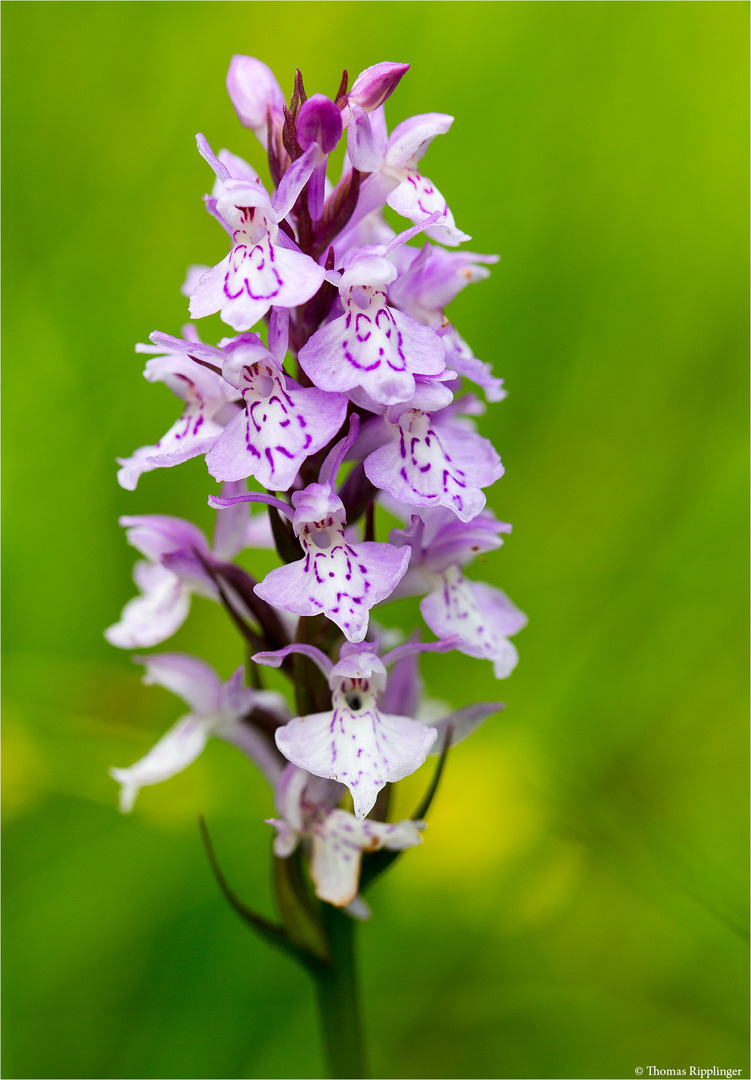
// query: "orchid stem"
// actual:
[[338, 1000]]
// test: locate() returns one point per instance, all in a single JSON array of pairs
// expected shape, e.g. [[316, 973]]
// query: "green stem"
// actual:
[[338, 1003]]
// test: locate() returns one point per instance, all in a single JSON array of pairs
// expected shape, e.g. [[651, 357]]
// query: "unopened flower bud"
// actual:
[[375, 84]]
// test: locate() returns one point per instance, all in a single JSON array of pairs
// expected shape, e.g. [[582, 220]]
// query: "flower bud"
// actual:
[[375, 84], [319, 121], [253, 90]]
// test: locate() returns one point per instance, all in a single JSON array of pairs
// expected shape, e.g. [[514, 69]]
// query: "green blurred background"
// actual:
[[578, 907]]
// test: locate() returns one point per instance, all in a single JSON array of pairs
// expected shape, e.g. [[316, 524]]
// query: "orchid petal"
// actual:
[[417, 198], [462, 723], [156, 615], [379, 348], [283, 423], [362, 146], [190, 678], [210, 157], [254, 92], [180, 747], [426, 463], [410, 139], [482, 615], [358, 747], [294, 180], [338, 843], [343, 581], [274, 659], [319, 122]]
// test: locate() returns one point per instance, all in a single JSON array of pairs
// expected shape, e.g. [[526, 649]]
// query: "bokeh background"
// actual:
[[578, 907]]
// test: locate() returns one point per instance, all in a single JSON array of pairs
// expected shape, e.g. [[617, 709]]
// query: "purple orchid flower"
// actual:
[[308, 809], [164, 603], [393, 163], [342, 579], [209, 403], [372, 345], [175, 569], [282, 422], [264, 268], [437, 460], [355, 743], [216, 709], [481, 615]]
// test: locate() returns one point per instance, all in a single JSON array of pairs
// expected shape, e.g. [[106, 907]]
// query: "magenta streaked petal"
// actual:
[[344, 581], [417, 198], [358, 747], [375, 347], [482, 615], [282, 424], [427, 463]]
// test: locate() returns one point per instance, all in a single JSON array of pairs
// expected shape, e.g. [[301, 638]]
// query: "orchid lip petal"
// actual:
[[363, 749]]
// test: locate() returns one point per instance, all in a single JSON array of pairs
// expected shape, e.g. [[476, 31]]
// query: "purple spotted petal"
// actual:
[[258, 273], [416, 198], [358, 747], [207, 408], [344, 581], [428, 463], [338, 843], [482, 615], [251, 279], [282, 424], [378, 348]]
